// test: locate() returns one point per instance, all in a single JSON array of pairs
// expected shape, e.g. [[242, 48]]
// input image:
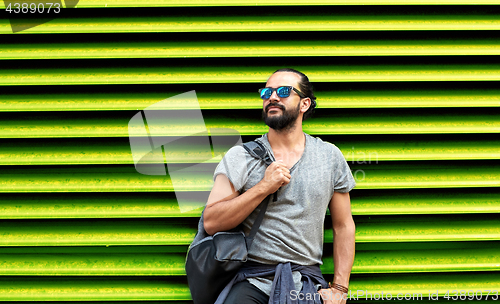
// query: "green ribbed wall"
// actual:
[[408, 90]]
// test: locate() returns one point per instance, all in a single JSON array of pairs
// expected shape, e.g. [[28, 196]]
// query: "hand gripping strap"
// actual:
[[257, 150]]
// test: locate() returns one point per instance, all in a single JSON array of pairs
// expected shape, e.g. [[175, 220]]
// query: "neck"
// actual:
[[291, 139]]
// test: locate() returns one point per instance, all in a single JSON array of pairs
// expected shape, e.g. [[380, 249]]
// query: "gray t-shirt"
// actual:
[[292, 229]]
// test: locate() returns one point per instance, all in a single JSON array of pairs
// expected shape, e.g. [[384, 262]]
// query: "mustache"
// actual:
[[274, 105]]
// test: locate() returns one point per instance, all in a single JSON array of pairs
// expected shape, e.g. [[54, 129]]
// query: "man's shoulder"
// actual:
[[239, 152], [321, 144], [236, 151]]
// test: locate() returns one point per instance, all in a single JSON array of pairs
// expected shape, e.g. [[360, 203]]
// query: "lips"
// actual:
[[274, 107]]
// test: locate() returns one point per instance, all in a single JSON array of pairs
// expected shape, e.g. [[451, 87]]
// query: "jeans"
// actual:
[[246, 293]]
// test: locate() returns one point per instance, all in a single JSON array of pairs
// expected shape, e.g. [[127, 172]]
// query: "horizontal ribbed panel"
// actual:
[[197, 3], [167, 72], [172, 123], [109, 263], [119, 205], [243, 96], [91, 288], [262, 48], [382, 175], [100, 232], [247, 19], [407, 90], [106, 289], [117, 150]]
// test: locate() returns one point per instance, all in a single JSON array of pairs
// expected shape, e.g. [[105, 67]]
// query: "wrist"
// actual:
[[338, 287], [263, 188]]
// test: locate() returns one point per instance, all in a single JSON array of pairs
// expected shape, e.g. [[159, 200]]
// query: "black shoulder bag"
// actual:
[[213, 261]]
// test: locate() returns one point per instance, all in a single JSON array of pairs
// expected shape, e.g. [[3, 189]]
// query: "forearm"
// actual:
[[225, 215], [343, 252]]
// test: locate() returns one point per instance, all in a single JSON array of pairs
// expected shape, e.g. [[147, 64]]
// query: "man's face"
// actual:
[[282, 113]]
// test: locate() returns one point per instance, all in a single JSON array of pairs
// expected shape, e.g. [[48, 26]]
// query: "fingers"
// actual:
[[280, 164], [281, 172], [276, 176]]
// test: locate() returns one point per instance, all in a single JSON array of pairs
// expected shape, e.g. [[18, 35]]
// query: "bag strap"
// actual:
[[257, 150]]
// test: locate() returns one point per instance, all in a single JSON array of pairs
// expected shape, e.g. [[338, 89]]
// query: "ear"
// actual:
[[306, 103]]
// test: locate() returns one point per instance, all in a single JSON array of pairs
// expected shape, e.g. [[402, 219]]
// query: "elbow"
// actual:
[[208, 224], [346, 227], [209, 228]]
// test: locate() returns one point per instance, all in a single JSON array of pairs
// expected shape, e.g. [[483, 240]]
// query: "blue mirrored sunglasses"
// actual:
[[282, 92]]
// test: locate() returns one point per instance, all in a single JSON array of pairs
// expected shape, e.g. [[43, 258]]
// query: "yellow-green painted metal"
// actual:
[[425, 228], [292, 48], [86, 264], [150, 288], [432, 201], [90, 205], [266, 21], [117, 151], [95, 232], [97, 289], [340, 98], [173, 74], [408, 261], [198, 3], [415, 119], [164, 205], [126, 179], [120, 232], [101, 124], [101, 179], [161, 264], [425, 284]]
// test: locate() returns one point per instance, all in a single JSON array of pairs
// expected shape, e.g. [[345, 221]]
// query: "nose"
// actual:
[[274, 96]]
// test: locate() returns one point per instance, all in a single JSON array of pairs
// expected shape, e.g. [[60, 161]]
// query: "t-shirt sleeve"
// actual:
[[343, 180], [234, 166]]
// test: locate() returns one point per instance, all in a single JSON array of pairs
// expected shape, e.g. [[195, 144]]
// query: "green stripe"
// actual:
[[106, 289], [247, 74], [120, 205], [89, 205], [398, 261], [87, 232], [425, 228], [197, 3], [107, 264], [117, 151], [341, 98], [102, 124], [95, 232], [292, 48], [425, 284], [160, 264], [124, 205], [126, 179], [101, 179], [320, 21], [91, 288], [432, 201]]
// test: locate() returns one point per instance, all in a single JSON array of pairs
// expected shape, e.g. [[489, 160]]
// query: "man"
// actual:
[[310, 175]]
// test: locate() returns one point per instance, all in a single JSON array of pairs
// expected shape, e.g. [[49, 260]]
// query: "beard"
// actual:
[[282, 122]]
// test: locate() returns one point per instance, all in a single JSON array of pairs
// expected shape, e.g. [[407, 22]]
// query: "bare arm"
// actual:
[[226, 208], [343, 241], [343, 234]]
